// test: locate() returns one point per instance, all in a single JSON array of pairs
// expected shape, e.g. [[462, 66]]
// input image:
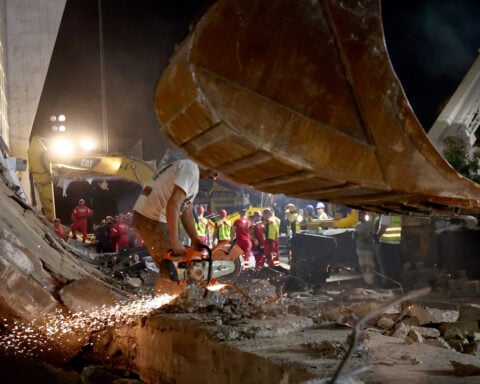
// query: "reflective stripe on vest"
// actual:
[[393, 233]]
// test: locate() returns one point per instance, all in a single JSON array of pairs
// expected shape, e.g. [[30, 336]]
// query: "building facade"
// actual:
[[28, 31], [460, 118]]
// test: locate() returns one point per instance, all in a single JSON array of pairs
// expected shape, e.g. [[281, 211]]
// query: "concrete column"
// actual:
[[31, 28]]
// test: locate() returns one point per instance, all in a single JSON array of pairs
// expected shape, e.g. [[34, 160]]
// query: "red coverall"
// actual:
[[120, 235], [242, 234], [58, 228], [257, 246], [271, 247], [79, 217]]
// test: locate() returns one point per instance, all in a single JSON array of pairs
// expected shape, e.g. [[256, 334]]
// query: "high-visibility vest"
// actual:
[[224, 227], [272, 229], [201, 226], [393, 233], [291, 216]]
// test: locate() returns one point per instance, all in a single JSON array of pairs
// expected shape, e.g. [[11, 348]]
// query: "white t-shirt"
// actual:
[[152, 202]]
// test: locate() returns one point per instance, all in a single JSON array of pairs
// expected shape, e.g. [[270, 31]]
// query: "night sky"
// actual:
[[139, 39], [432, 44]]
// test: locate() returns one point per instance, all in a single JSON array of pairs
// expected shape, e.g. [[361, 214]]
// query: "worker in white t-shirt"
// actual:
[[165, 199]]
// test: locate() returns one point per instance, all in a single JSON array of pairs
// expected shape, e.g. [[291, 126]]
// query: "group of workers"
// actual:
[[112, 234], [166, 204], [116, 234], [303, 217], [257, 236]]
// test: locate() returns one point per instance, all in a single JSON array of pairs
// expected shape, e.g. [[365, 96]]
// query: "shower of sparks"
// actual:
[[215, 287], [60, 330]]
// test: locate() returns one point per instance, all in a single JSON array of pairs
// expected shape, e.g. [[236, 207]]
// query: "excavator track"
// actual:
[[299, 97]]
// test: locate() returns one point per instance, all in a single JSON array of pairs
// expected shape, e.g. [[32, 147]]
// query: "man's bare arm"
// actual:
[[188, 222], [173, 212]]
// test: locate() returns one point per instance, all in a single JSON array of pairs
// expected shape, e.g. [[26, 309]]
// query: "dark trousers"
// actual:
[[388, 259]]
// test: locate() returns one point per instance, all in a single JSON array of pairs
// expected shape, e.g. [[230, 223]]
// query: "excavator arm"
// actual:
[[299, 97], [43, 165]]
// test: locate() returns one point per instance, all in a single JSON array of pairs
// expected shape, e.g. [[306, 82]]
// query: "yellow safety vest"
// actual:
[[272, 229], [201, 226], [224, 227], [393, 234]]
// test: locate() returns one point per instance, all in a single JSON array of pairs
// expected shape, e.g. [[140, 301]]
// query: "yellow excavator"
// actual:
[[304, 96], [45, 164]]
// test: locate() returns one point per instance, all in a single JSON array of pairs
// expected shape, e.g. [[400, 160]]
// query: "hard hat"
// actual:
[[267, 211], [223, 213], [320, 205], [257, 213], [309, 207], [81, 201]]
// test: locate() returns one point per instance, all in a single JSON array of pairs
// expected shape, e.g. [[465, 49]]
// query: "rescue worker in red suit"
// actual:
[[271, 236], [57, 227], [241, 232], [257, 236], [120, 235], [79, 217]]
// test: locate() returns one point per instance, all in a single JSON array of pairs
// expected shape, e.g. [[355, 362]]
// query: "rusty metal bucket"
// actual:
[[299, 97]]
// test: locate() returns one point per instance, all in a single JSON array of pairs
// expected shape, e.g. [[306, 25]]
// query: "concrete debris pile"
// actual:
[[252, 329], [240, 313], [442, 324]]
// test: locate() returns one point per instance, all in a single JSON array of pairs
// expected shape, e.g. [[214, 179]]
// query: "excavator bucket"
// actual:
[[299, 97]]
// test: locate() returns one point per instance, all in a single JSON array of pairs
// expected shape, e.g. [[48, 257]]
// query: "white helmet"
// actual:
[[81, 201], [320, 205]]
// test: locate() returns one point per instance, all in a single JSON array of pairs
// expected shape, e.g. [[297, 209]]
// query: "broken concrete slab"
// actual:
[[86, 293], [385, 322], [401, 331], [438, 342], [443, 315], [426, 332], [21, 295]]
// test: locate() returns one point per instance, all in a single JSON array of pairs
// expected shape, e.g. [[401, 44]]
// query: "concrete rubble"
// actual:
[[68, 321]]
